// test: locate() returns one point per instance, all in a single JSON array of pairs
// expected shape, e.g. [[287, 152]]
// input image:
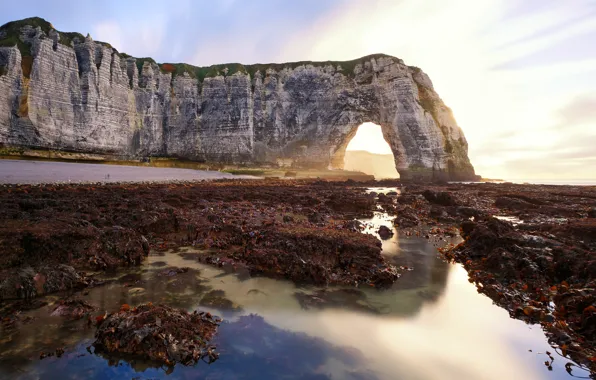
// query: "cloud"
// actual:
[[581, 110], [498, 68], [518, 74], [566, 149]]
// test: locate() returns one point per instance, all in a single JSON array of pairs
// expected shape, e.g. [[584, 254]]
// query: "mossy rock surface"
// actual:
[[229, 69]]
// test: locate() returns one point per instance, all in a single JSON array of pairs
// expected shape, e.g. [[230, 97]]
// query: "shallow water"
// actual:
[[432, 324]]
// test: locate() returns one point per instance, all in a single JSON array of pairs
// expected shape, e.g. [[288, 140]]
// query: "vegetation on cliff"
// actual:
[[10, 35]]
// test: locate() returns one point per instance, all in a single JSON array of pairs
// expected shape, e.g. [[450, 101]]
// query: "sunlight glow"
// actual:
[[369, 137], [503, 69], [368, 152]]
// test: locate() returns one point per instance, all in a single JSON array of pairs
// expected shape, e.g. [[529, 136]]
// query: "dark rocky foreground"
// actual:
[[540, 265], [303, 231], [530, 248]]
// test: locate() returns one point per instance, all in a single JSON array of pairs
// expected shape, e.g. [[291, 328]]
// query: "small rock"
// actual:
[[136, 290], [442, 198], [385, 232], [158, 333]]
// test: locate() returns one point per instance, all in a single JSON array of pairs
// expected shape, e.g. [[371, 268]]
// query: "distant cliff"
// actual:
[[380, 165], [64, 91]]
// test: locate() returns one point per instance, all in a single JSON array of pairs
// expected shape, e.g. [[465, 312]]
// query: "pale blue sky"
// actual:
[[520, 75]]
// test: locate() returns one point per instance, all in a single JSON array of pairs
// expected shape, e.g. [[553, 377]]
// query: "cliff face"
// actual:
[[64, 91]]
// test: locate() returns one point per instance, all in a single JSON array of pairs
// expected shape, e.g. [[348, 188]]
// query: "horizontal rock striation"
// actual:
[[63, 91]]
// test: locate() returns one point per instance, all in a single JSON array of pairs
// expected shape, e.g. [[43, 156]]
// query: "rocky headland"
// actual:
[[66, 92]]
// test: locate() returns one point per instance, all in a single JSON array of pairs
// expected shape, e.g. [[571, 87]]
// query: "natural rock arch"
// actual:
[[67, 92], [322, 109]]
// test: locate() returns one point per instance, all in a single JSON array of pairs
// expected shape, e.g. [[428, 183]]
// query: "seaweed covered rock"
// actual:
[[158, 333], [118, 246], [442, 198], [385, 232], [72, 308], [354, 299], [406, 217], [314, 255], [28, 282], [513, 203], [537, 277]]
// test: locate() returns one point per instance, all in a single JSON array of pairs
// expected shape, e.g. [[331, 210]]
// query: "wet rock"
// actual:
[[316, 218], [159, 263], [73, 308], [256, 291], [526, 272], [158, 333], [468, 211], [385, 232], [487, 234], [513, 203], [438, 212], [354, 225], [217, 299], [442, 198], [118, 246], [592, 212], [28, 282], [407, 199], [314, 255], [406, 217], [467, 227], [135, 291], [173, 271], [131, 278], [384, 198], [30, 205], [336, 298], [351, 203], [58, 353]]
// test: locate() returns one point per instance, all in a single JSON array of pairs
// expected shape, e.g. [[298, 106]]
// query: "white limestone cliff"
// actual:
[[76, 94]]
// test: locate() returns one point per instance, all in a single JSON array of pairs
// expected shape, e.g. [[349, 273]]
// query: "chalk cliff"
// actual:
[[64, 91]]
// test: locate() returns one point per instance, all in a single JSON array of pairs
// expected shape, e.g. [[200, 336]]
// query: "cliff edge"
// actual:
[[64, 91]]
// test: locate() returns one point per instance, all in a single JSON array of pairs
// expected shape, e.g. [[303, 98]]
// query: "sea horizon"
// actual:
[[572, 182]]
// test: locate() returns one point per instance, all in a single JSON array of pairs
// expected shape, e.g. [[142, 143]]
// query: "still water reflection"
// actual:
[[432, 324]]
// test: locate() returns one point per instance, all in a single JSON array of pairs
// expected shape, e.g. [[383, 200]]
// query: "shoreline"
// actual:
[[35, 171], [304, 231]]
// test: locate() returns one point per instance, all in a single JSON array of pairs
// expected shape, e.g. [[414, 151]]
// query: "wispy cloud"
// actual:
[[518, 74], [505, 68]]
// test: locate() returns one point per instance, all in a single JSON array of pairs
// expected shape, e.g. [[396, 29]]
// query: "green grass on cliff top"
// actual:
[[227, 69], [11, 32]]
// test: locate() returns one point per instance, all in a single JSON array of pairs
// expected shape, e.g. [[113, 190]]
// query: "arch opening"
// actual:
[[368, 152]]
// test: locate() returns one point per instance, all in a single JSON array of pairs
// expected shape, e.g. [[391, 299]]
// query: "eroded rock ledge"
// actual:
[[63, 91]]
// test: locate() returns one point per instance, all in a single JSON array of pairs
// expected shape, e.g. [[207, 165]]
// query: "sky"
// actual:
[[519, 75]]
